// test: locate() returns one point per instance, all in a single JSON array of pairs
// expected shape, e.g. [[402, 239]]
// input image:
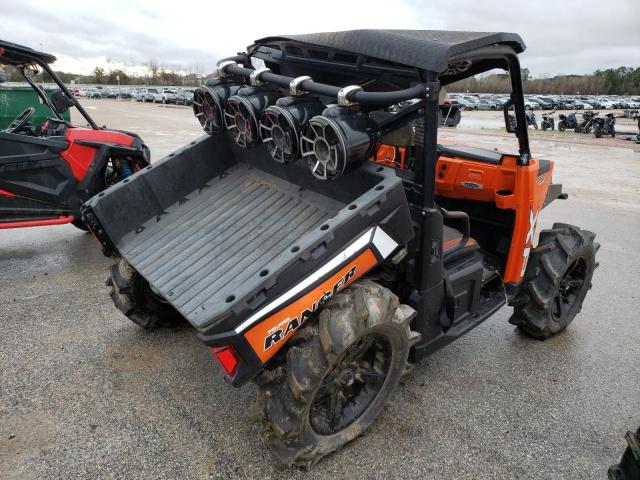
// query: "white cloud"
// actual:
[[572, 36]]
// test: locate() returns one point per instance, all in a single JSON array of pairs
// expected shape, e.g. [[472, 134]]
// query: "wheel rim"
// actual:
[[352, 385], [569, 289]]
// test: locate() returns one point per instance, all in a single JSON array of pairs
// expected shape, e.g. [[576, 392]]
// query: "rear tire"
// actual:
[[133, 296], [337, 375], [629, 466], [597, 132], [562, 126], [556, 281], [80, 225]]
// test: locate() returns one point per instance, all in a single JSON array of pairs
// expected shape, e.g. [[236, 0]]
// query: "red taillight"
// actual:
[[227, 357]]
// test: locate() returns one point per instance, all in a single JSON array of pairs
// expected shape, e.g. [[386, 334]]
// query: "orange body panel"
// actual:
[[390, 156], [506, 185], [268, 336], [531, 191], [469, 180]]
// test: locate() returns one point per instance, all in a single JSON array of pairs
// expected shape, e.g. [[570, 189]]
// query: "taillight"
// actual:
[[227, 357]]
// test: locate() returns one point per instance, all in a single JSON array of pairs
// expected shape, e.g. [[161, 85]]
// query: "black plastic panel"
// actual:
[[224, 238]]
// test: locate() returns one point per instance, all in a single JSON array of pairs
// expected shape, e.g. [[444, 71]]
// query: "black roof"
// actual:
[[14, 54], [425, 49]]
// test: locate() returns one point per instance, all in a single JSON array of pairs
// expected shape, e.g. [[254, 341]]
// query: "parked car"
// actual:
[[530, 104], [548, 103], [579, 105], [185, 97], [485, 104], [150, 94], [167, 95], [606, 103], [467, 104], [94, 93], [500, 101], [561, 103], [139, 94]]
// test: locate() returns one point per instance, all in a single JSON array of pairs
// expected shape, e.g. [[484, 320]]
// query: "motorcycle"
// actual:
[[604, 126], [586, 125], [548, 121], [567, 121], [531, 119]]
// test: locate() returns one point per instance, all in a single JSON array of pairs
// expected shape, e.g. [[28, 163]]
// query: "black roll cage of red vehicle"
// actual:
[[48, 171]]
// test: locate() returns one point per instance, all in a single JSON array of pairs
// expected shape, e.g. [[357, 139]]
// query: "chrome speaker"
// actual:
[[281, 124], [209, 101], [337, 141], [243, 111]]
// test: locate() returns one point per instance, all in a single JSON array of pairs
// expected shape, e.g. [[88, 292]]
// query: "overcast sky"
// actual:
[[562, 36]]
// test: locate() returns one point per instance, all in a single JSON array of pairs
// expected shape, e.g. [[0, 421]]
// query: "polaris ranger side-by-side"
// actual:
[[315, 268]]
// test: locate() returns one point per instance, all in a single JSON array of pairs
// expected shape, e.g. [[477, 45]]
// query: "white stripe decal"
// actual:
[[374, 235], [383, 242]]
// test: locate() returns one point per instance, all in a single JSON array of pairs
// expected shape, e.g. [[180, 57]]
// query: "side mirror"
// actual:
[[60, 102], [3, 76], [509, 120]]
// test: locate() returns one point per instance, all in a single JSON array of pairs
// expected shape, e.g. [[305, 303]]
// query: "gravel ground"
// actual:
[[86, 394]]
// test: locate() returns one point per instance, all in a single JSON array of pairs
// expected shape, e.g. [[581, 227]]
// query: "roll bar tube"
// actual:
[[70, 95], [517, 93], [361, 97]]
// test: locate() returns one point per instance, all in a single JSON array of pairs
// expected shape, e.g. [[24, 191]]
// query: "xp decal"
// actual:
[[528, 241]]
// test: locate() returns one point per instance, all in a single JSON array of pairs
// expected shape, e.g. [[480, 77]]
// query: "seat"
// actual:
[[451, 237], [471, 153]]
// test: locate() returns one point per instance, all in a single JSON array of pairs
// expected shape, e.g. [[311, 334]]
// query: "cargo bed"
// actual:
[[217, 235]]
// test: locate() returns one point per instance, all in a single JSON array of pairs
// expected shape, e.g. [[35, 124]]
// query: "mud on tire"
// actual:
[[629, 466], [133, 296], [349, 363], [556, 281]]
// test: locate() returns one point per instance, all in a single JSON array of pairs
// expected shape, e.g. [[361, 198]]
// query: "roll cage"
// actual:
[[23, 58]]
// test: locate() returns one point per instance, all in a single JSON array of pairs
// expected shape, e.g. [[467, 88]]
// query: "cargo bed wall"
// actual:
[[128, 204]]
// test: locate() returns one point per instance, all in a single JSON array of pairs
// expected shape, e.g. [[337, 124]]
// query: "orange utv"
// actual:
[[320, 240]]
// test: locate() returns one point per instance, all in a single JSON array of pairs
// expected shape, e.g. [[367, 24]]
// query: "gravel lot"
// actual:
[[86, 394]]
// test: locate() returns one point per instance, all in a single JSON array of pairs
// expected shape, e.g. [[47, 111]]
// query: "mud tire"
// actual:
[[133, 296], [629, 466], [559, 272], [286, 394]]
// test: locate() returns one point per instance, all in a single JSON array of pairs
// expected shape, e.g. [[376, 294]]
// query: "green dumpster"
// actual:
[[16, 98]]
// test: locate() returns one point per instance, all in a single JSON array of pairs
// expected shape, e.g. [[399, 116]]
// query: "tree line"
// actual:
[[155, 75], [612, 81]]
